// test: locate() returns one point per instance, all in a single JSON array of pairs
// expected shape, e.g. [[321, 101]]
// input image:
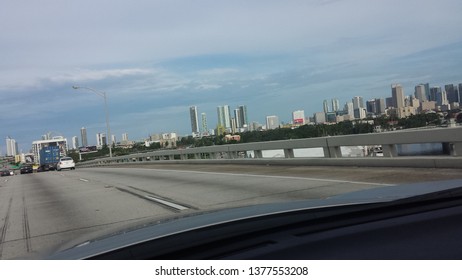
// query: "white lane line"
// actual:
[[268, 176], [168, 203], [84, 180]]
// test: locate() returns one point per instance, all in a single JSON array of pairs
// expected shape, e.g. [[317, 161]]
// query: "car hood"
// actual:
[[161, 229]]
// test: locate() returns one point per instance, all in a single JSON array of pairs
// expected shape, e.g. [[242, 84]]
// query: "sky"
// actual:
[[154, 59]]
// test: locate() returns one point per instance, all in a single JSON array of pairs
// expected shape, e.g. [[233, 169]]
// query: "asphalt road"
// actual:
[[44, 212]]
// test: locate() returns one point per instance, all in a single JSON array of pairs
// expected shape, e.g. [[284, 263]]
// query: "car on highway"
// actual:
[[5, 172], [65, 163], [26, 169]]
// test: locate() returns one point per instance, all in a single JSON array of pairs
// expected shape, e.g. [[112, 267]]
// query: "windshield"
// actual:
[[171, 109]]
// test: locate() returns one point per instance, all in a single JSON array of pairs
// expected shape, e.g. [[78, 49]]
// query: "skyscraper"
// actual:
[[220, 116], [420, 93], [434, 93], [124, 136], [371, 106], [237, 117], [272, 122], [204, 123], [194, 119], [380, 103], [11, 147], [397, 93], [83, 136], [243, 115], [358, 102], [325, 106], [75, 142], [101, 139], [335, 105], [451, 93]]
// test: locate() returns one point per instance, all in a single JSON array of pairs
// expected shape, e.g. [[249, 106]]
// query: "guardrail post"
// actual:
[[455, 149], [389, 150], [258, 153], [289, 153], [332, 152]]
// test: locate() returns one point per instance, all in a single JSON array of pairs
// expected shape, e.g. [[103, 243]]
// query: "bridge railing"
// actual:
[[450, 139]]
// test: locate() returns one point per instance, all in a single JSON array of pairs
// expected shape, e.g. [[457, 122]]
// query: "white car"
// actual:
[[65, 163]]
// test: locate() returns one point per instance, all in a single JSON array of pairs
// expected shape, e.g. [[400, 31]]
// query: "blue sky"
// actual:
[[156, 58]]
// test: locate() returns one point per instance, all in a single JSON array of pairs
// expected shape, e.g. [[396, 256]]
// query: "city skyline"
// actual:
[[172, 58]]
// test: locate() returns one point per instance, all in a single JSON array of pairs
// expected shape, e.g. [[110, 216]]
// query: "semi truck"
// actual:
[[49, 157]]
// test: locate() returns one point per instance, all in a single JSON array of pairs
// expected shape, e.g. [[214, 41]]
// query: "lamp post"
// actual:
[[103, 95]]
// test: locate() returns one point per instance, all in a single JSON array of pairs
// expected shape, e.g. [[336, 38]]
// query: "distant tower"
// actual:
[[397, 93], [325, 106], [194, 119], [11, 146], [272, 122], [83, 136], [335, 105], [243, 115], [204, 123], [75, 142], [237, 118]]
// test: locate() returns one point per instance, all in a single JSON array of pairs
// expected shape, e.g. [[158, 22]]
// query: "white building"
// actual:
[[11, 147], [100, 140], [272, 122], [298, 117], [75, 142]]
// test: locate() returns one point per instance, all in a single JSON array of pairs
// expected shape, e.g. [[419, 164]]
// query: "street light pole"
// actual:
[[103, 95]]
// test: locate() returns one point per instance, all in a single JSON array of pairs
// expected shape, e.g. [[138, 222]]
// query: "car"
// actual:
[[25, 169], [5, 172], [65, 163]]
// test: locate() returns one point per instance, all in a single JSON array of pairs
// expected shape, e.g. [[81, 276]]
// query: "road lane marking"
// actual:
[[168, 203], [267, 176], [84, 180]]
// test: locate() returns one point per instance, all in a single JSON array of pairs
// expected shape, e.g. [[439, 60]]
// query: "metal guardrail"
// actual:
[[450, 139]]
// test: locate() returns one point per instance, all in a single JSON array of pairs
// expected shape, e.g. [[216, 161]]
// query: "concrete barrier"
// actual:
[[450, 138]]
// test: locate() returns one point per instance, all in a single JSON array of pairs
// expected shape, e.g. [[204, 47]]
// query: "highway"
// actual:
[[41, 213]]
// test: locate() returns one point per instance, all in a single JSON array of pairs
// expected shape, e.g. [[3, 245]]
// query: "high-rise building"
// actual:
[[224, 117], [298, 117], [194, 119], [380, 105], [113, 139], [371, 106], [237, 118], [335, 105], [420, 93], [75, 142], [434, 93], [204, 128], [11, 147], [83, 136], [397, 93], [358, 102], [451, 93], [243, 115], [325, 106], [220, 116], [389, 102], [101, 139], [460, 93], [319, 117], [272, 122], [349, 110], [441, 98], [124, 136]]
